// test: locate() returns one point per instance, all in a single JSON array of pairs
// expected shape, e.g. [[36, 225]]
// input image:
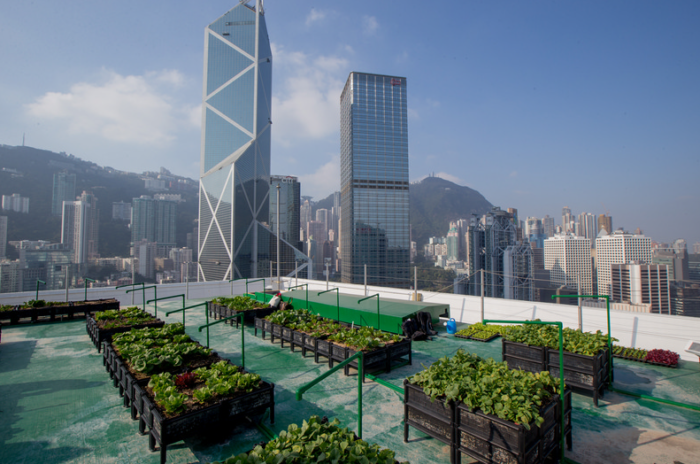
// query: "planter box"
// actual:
[[297, 340], [382, 358], [165, 431], [220, 311], [275, 331], [286, 335], [585, 372], [50, 313], [309, 344], [436, 418], [489, 439], [98, 336], [323, 348]]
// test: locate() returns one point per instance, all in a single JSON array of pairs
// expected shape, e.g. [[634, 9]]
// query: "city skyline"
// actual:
[[537, 87]]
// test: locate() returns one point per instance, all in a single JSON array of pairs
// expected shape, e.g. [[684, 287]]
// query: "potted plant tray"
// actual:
[[219, 311], [490, 439], [50, 313]]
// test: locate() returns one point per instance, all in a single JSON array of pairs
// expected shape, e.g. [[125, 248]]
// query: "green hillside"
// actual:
[[37, 167]]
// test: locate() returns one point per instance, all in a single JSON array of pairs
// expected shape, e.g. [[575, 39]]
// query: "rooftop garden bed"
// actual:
[[481, 332], [317, 440], [106, 324], [41, 310], [230, 306]]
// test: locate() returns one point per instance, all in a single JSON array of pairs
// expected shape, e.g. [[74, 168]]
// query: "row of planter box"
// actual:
[[485, 437], [644, 361], [99, 336], [163, 431], [378, 359], [589, 373], [51, 313], [220, 311]]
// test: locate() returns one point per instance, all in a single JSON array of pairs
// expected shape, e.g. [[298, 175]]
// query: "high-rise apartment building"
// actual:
[[567, 220], [154, 221], [568, 258], [3, 236], [548, 226], [619, 248], [587, 227], [16, 203], [374, 180], [80, 227], [453, 242], [121, 211], [234, 186], [639, 283], [290, 206], [63, 190]]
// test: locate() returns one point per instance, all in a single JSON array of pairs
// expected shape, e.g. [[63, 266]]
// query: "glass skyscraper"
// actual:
[[235, 157], [374, 180]]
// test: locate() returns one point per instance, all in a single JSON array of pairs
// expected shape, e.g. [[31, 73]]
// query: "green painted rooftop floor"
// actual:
[[58, 405]]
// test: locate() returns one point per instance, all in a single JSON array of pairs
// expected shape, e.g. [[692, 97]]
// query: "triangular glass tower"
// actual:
[[234, 181]]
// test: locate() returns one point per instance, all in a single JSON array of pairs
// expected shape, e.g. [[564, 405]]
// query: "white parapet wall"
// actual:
[[636, 330]]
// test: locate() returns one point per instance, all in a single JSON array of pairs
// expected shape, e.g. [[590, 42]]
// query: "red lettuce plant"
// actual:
[[186, 380], [662, 357]]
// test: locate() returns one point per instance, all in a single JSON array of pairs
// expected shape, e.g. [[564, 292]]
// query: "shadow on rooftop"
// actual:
[[15, 356], [37, 451]]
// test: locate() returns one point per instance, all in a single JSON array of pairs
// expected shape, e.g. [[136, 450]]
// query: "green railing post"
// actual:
[[307, 292], [167, 298], [252, 282], [38, 281], [143, 294], [241, 315], [561, 366], [337, 300], [372, 296], [360, 379], [607, 306], [86, 281]]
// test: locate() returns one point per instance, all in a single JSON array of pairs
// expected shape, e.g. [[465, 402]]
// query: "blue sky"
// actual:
[[536, 104]]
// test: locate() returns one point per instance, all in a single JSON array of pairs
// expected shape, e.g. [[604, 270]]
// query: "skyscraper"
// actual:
[[290, 205], [63, 190], [605, 222], [154, 221], [568, 258], [375, 227], [619, 248], [234, 184], [80, 227]]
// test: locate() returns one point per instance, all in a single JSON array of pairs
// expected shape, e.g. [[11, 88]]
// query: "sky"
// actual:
[[538, 105]]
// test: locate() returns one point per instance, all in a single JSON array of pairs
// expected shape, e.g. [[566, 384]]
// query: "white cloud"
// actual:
[[129, 109], [369, 25], [307, 106], [324, 181], [314, 15]]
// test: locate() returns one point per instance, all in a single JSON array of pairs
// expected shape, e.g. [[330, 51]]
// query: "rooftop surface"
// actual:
[[57, 403]]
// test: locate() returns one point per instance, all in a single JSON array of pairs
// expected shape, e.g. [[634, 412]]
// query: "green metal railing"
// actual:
[[360, 377], [376, 379], [86, 282], [607, 306], [367, 298], [143, 294], [168, 298], [143, 284], [206, 309], [38, 281], [307, 292], [337, 300], [561, 368], [246, 283], [209, 324]]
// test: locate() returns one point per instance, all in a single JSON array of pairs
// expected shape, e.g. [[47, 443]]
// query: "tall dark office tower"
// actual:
[[63, 190], [290, 206], [374, 180], [234, 184], [154, 221]]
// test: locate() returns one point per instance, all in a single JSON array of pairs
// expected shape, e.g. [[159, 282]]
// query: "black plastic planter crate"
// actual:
[[489, 439], [286, 335], [323, 348], [297, 340], [309, 344], [260, 325], [218, 311], [584, 372], [339, 353], [435, 418], [275, 331], [165, 431], [525, 357]]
